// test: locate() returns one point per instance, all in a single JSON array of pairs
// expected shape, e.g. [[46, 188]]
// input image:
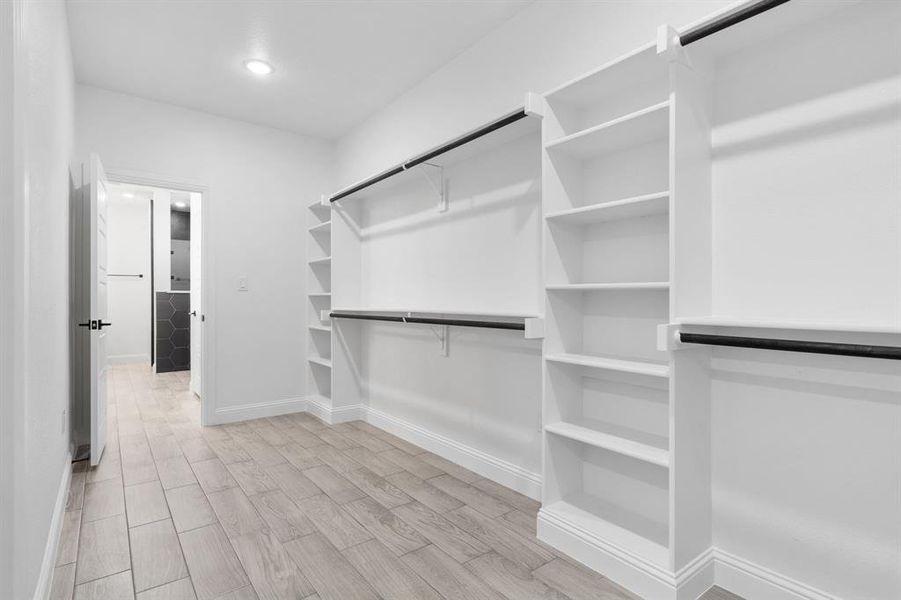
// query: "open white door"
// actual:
[[98, 292], [196, 279]]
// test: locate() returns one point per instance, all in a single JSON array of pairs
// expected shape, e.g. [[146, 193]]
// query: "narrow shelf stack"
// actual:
[[319, 286], [607, 412]]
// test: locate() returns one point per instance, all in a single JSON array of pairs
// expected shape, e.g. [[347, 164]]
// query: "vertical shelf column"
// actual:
[[319, 290], [626, 420]]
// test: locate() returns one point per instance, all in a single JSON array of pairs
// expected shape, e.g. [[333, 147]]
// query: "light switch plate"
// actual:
[[242, 284]]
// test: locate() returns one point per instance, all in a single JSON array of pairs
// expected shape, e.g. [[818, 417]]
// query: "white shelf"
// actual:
[[321, 228], [633, 69], [320, 295], [588, 432], [322, 362], [320, 261], [320, 328], [634, 129], [629, 208], [585, 513], [611, 364], [437, 311], [796, 325], [588, 287], [318, 205]]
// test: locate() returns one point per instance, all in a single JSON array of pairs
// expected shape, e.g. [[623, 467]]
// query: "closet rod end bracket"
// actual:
[[669, 45], [534, 105], [668, 337], [534, 328]]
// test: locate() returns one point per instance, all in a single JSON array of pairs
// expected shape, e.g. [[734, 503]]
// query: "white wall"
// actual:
[[540, 48], [800, 505], [162, 241], [806, 473], [37, 114], [471, 395], [806, 469], [129, 297], [258, 182]]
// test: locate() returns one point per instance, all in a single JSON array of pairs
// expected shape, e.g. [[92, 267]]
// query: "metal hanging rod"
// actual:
[[728, 20], [431, 321], [126, 275], [863, 350], [451, 145]]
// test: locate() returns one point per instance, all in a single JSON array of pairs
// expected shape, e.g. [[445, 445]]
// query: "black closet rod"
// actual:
[[728, 20], [432, 321], [483, 131], [866, 351]]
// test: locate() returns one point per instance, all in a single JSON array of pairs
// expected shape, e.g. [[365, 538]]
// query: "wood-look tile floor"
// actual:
[[291, 508]]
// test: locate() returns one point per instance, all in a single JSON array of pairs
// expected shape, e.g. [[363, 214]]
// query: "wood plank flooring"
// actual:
[[292, 508]]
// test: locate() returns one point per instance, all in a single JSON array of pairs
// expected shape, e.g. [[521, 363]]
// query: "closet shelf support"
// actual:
[[434, 174]]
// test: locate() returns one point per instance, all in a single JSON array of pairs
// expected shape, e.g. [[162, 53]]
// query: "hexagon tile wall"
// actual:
[[173, 332]]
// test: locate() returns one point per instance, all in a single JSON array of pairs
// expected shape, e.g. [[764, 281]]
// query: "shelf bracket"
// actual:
[[441, 332], [434, 174]]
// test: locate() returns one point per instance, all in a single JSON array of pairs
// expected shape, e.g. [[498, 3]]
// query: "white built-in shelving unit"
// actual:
[[319, 287], [636, 155], [607, 205]]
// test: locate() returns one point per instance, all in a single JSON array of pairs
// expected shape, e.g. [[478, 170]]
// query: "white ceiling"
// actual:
[[335, 62]]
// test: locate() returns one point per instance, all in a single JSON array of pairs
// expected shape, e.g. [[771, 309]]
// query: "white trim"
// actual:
[[620, 566], [354, 412], [494, 468], [325, 412], [45, 577], [697, 576], [751, 580], [125, 359], [486, 465], [247, 412], [712, 567], [318, 409]]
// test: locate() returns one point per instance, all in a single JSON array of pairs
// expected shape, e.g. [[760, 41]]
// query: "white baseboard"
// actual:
[[486, 465], [648, 580], [751, 580], [322, 408], [696, 577], [45, 578], [125, 359], [493, 468], [257, 411], [713, 567]]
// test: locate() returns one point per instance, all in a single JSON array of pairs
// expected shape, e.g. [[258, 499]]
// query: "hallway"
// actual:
[[288, 507]]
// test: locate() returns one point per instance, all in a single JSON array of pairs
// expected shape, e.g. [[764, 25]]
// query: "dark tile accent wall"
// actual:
[[180, 225], [173, 332]]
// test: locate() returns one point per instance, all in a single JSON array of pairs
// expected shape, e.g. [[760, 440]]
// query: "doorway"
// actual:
[[155, 274]]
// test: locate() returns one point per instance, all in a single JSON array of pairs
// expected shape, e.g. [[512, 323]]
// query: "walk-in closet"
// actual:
[[508, 300]]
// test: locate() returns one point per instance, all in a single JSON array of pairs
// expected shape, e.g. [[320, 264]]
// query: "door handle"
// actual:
[[101, 324], [89, 324], [193, 313]]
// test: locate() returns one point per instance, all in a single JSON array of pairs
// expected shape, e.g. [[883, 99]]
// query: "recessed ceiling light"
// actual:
[[128, 195], [258, 67], [181, 205]]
